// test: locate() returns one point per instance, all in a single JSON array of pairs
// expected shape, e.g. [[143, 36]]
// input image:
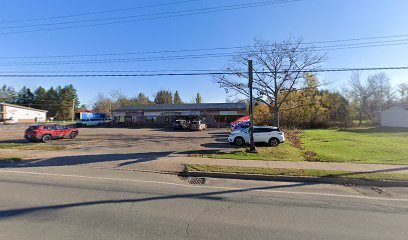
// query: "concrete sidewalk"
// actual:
[[173, 162]]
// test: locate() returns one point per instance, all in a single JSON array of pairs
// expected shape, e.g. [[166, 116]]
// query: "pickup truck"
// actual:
[[198, 125]]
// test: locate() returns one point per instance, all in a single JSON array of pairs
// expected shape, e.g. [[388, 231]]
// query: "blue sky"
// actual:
[[314, 20]]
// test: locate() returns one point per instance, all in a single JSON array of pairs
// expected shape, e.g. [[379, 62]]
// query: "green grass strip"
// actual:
[[375, 176], [31, 146]]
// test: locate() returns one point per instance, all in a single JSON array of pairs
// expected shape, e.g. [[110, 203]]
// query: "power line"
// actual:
[[148, 17], [198, 73], [187, 57], [392, 42], [97, 12]]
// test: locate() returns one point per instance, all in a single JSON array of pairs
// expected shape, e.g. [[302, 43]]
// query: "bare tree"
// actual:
[[403, 91], [102, 103], [279, 69], [382, 95], [360, 92]]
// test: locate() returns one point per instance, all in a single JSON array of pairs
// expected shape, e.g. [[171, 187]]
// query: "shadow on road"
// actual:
[[214, 196], [123, 159]]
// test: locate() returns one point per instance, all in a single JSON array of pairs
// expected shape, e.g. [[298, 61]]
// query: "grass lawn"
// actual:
[[356, 145], [285, 152], [297, 172], [359, 145], [31, 146]]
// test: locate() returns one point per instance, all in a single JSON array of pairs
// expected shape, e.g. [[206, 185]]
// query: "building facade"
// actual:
[[20, 114], [395, 116], [214, 114]]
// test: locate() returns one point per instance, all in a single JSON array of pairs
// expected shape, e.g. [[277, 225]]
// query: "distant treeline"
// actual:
[[59, 101], [117, 99]]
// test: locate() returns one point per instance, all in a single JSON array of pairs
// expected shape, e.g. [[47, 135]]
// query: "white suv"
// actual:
[[265, 134]]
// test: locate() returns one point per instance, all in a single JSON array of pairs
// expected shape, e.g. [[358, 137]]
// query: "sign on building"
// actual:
[[228, 113]]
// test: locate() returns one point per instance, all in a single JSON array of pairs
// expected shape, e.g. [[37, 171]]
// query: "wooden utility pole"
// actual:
[[73, 110], [252, 148]]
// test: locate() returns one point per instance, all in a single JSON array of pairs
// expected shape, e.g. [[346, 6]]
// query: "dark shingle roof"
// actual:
[[186, 107]]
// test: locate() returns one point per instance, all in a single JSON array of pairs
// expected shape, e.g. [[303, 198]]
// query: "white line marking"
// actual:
[[212, 187]]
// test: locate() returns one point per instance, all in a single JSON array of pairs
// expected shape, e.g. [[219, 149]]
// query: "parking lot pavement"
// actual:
[[144, 148]]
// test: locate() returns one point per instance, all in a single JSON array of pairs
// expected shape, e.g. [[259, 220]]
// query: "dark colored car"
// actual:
[[46, 133], [180, 125]]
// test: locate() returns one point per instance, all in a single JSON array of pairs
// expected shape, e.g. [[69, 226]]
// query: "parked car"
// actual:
[[262, 134], [92, 122], [180, 124], [46, 133], [198, 125]]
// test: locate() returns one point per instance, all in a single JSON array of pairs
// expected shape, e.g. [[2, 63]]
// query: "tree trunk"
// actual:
[[276, 117], [360, 115]]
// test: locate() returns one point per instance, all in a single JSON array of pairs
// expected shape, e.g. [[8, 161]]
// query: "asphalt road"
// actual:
[[80, 203]]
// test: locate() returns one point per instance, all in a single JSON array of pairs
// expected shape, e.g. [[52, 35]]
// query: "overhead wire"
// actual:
[[146, 17], [97, 12], [317, 70]]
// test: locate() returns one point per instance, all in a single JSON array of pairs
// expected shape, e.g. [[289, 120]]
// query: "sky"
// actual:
[[313, 20]]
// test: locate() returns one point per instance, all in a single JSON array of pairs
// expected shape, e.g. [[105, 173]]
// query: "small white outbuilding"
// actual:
[[395, 116], [14, 113]]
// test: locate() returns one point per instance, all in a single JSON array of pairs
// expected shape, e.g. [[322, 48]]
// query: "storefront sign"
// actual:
[[152, 114], [190, 113], [135, 114], [228, 113]]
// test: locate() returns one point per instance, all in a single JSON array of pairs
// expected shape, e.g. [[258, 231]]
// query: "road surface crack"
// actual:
[[187, 230]]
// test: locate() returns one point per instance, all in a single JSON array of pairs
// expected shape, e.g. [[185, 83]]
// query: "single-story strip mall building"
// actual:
[[214, 114]]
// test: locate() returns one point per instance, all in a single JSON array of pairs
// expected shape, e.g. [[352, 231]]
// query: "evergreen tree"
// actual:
[[198, 98], [70, 102], [53, 103], [163, 97], [25, 97], [40, 98], [177, 98], [142, 99], [7, 94]]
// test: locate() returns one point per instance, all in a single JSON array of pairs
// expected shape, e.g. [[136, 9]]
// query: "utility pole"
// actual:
[[252, 148], [73, 110]]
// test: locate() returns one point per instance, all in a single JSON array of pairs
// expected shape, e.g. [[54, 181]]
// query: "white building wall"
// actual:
[[394, 117], [24, 115]]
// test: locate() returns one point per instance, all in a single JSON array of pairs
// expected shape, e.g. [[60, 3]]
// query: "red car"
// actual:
[[46, 133]]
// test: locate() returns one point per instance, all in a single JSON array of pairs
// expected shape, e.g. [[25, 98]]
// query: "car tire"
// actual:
[[72, 135], [46, 138], [274, 142], [239, 141]]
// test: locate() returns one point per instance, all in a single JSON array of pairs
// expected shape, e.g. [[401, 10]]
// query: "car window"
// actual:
[[59, 127], [50, 127], [31, 128], [257, 130]]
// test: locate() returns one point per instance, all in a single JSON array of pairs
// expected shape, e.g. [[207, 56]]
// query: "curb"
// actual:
[[342, 181]]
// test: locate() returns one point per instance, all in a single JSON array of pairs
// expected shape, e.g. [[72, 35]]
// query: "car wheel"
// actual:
[[46, 138], [239, 141], [73, 135], [274, 142]]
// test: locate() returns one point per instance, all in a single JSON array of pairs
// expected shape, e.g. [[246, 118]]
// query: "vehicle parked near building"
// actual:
[[46, 133], [262, 134], [180, 124], [92, 122], [198, 125]]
